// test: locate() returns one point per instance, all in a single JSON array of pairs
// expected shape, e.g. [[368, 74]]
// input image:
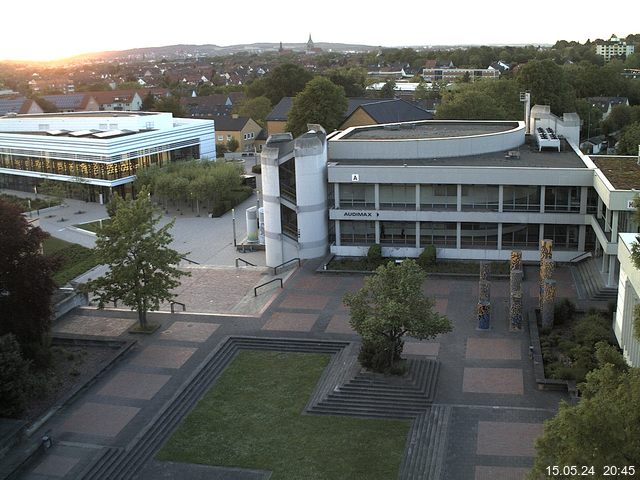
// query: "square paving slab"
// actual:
[[309, 302], [141, 386], [507, 438], [189, 331], [339, 324], [493, 380], [99, 419], [318, 283], [291, 322], [163, 356], [429, 349], [494, 348], [96, 326], [501, 473], [55, 465]]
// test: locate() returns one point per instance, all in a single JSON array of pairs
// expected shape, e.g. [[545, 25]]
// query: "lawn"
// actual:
[[76, 259], [252, 418], [94, 226]]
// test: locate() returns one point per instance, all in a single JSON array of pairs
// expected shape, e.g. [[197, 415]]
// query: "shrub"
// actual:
[[427, 257], [374, 355], [591, 329], [14, 377], [257, 169], [374, 255], [564, 311]]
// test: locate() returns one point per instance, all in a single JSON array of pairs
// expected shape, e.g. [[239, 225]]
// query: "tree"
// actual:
[[548, 85], [320, 102], [630, 140], [390, 305], [148, 103], [233, 144], [170, 104], [602, 429], [284, 81], [352, 79], [26, 283], [256, 108], [142, 268], [14, 377], [388, 90], [482, 100]]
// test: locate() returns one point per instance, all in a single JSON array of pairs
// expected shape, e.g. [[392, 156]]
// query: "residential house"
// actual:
[[385, 111], [76, 102], [118, 100], [614, 48], [211, 105], [594, 145], [243, 129], [606, 104], [18, 105]]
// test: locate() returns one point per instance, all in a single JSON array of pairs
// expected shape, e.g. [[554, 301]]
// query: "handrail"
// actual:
[[190, 261], [583, 254], [255, 289], [173, 302], [243, 260], [275, 269]]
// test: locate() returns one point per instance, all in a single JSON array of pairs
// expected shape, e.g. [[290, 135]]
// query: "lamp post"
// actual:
[[233, 220]]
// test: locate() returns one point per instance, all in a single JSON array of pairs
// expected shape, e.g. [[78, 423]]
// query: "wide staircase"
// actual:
[[593, 283]]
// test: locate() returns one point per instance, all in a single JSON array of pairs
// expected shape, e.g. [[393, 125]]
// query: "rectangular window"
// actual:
[[398, 197], [564, 237], [524, 236], [438, 197], [398, 234], [479, 235], [357, 233], [521, 198], [562, 199], [438, 234], [480, 197], [357, 196]]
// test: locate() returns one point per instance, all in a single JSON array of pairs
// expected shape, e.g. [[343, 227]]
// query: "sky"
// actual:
[[47, 30]]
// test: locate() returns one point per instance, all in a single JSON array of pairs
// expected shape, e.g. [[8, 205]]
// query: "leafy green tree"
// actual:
[[389, 306], [630, 140], [170, 104], [352, 79], [233, 144], [602, 429], [548, 85], [148, 103], [142, 268], [284, 81], [388, 90], [482, 100], [26, 283], [255, 108], [320, 102], [14, 377]]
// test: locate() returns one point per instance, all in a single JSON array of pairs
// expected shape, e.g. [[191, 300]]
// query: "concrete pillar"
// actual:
[[417, 196], [582, 237], [547, 267], [516, 260], [584, 193], [500, 201], [485, 270], [541, 232], [378, 232], [607, 221], [614, 226], [337, 225], [459, 198], [515, 311], [548, 303], [542, 192], [484, 291], [376, 196], [611, 278], [546, 248], [417, 234], [605, 260], [499, 236], [458, 235], [336, 195], [515, 281], [600, 204], [484, 315]]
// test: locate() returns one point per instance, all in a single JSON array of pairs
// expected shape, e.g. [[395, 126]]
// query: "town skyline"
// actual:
[[137, 26]]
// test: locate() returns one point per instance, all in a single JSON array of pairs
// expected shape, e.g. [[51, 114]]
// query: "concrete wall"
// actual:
[[628, 293]]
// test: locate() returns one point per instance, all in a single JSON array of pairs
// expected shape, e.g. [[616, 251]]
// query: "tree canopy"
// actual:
[[142, 268], [548, 85], [482, 100], [285, 80], [320, 102], [603, 428], [630, 140], [390, 305], [26, 283], [256, 108]]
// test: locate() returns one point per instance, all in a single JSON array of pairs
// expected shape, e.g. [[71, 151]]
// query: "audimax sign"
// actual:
[[361, 214]]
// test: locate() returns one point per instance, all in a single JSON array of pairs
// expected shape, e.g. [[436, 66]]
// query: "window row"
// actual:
[[444, 234], [473, 197]]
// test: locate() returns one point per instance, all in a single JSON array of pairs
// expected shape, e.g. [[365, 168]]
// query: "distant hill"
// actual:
[[180, 51]]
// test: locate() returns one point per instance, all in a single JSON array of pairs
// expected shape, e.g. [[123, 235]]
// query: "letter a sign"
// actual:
[[355, 177]]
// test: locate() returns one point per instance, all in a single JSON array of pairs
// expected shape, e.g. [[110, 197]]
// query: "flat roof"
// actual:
[[529, 156], [102, 113], [432, 129], [623, 172]]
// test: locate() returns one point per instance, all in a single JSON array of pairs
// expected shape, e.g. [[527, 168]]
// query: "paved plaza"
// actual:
[[486, 378]]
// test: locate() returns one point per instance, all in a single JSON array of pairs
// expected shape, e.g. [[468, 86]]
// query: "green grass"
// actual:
[[93, 226], [76, 259], [23, 203], [252, 418]]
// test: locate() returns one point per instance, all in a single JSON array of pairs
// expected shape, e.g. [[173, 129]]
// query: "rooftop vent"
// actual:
[[513, 154], [395, 126]]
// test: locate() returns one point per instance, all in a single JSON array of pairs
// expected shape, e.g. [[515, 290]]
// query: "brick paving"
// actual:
[[485, 377]]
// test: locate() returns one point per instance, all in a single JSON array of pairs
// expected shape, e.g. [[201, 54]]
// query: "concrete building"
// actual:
[[614, 48], [628, 300], [102, 150]]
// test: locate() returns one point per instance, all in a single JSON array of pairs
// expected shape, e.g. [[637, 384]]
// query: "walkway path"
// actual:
[[486, 382]]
